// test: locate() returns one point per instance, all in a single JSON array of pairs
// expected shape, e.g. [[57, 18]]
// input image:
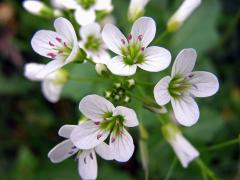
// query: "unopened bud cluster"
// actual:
[[118, 93]]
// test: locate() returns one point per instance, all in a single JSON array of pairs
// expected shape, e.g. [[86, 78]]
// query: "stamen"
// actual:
[[129, 37], [60, 52], [113, 140], [74, 147], [99, 136], [123, 41], [140, 37], [52, 55], [59, 39], [97, 123], [65, 44], [91, 156], [191, 75], [50, 43], [142, 48]]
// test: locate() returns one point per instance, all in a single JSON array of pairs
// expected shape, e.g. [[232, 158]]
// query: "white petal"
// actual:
[[88, 135], [122, 146], [66, 130], [33, 6], [118, 67], [104, 151], [204, 83], [65, 28], [184, 11], [84, 17], [185, 110], [68, 4], [156, 59], [102, 57], [62, 151], [113, 38], [41, 39], [92, 29], [144, 27], [95, 107], [51, 90], [50, 67], [102, 5], [184, 150], [161, 93], [31, 69], [87, 165], [129, 115], [185, 62]]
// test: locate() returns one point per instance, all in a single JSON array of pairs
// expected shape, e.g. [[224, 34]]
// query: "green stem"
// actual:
[[171, 168], [222, 145], [161, 37], [83, 79], [206, 169]]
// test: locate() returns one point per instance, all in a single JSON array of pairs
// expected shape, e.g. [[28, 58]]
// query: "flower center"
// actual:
[[133, 51], [60, 76], [59, 48], [86, 4], [93, 43], [113, 124], [178, 85]]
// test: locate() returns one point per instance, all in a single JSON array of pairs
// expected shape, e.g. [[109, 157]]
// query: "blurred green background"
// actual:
[[29, 124]]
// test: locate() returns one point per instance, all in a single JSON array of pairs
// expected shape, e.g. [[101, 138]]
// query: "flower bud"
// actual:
[[117, 84], [108, 94], [136, 9], [183, 12], [130, 83], [101, 69], [185, 152], [38, 8], [126, 99]]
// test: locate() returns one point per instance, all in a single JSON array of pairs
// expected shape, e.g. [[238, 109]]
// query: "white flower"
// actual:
[[136, 9], [183, 85], [35, 7], [133, 51], [105, 119], [85, 10], [93, 44], [61, 46], [87, 161], [184, 11], [52, 84], [185, 152]]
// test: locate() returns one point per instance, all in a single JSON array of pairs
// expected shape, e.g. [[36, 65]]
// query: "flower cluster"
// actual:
[[105, 130]]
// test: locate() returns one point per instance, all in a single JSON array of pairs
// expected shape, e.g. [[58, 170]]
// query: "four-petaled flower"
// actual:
[[183, 85], [61, 46], [133, 51], [93, 44], [52, 84], [105, 119], [87, 161], [185, 152]]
